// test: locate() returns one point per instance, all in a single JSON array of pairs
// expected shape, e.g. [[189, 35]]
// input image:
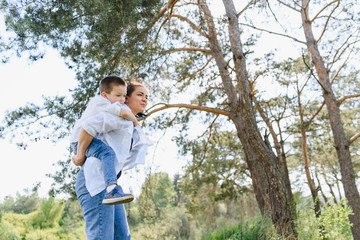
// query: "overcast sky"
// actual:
[[23, 82]]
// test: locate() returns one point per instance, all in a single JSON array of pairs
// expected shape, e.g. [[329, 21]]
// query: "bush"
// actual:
[[38, 234], [72, 217], [26, 203], [334, 218], [333, 221], [256, 229], [8, 231], [173, 224], [49, 214], [21, 222], [55, 233]]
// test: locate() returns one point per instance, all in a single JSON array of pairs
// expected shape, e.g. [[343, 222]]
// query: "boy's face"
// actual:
[[117, 94]]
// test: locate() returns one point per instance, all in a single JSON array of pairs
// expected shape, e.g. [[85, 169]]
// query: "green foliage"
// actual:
[[49, 214], [22, 222], [64, 178], [217, 174], [44, 234], [23, 203], [157, 193], [72, 217], [157, 215], [174, 217], [55, 234], [306, 220], [80, 29], [334, 218], [173, 223], [8, 231], [164, 211], [256, 229], [48, 222], [332, 224]]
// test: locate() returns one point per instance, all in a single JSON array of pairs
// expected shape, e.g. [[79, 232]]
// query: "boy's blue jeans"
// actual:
[[102, 222], [106, 155]]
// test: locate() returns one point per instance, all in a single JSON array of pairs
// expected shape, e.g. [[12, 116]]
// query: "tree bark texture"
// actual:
[[341, 143], [267, 174], [279, 148]]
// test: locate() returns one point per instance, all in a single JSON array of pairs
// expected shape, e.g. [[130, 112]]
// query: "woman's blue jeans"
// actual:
[[102, 222], [106, 155]]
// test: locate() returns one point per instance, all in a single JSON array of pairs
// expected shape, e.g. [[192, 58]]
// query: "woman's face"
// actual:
[[137, 101]]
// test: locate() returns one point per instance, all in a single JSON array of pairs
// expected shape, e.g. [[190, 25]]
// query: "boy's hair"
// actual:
[[108, 82], [131, 87]]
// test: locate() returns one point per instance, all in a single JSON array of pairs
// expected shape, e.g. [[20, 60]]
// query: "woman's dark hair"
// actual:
[[131, 87]]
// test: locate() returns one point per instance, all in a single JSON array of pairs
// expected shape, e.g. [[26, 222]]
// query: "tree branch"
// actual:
[[306, 82], [338, 71], [339, 53], [312, 73], [274, 16], [275, 33], [169, 5], [196, 28], [197, 71], [347, 97], [209, 129], [354, 138], [219, 55], [317, 112], [189, 106], [300, 91], [327, 20], [291, 7], [323, 10], [188, 49], [246, 7]]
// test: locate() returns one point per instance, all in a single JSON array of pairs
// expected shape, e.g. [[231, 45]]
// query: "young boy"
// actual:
[[112, 95]]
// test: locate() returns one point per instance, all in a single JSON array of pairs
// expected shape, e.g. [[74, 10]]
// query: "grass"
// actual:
[[257, 229]]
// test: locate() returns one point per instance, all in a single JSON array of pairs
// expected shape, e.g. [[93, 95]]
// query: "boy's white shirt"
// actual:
[[96, 105], [119, 139], [117, 133]]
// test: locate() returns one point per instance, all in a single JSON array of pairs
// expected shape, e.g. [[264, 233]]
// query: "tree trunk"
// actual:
[[267, 175], [279, 147], [266, 168], [341, 143], [304, 149]]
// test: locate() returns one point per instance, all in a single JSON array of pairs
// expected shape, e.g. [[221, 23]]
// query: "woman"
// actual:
[[109, 221]]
